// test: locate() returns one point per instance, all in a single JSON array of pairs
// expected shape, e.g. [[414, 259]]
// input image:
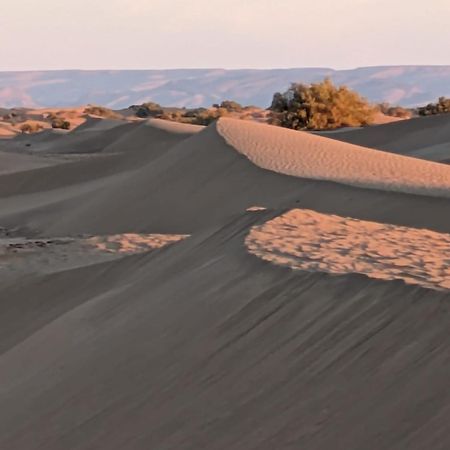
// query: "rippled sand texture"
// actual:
[[307, 240], [307, 155]]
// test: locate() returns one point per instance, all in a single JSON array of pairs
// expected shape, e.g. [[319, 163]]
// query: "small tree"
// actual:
[[320, 106]]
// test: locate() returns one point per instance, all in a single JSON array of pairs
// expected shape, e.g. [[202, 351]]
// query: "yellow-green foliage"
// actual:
[[320, 106]]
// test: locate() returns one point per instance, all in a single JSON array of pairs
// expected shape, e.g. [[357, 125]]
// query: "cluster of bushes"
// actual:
[[28, 128], [195, 116], [395, 111], [230, 106], [320, 106], [441, 107], [61, 123], [315, 106], [149, 109], [102, 112]]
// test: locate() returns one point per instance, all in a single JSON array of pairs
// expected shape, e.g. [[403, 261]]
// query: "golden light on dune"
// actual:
[[307, 240]]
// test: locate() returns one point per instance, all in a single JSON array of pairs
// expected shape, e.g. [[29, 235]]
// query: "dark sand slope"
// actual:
[[424, 137], [142, 143], [201, 345], [13, 163], [195, 184]]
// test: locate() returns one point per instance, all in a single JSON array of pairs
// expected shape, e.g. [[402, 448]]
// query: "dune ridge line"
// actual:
[[306, 155]]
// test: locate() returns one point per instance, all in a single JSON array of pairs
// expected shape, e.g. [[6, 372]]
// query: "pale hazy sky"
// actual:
[[146, 34]]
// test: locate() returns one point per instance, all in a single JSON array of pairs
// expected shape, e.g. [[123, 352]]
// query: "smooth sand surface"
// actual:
[[424, 137], [11, 162], [307, 155], [20, 256], [110, 339]]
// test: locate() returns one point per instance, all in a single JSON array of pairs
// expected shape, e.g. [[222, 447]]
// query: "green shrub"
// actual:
[[320, 106]]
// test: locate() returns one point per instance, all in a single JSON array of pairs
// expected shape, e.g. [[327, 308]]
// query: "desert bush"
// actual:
[[28, 128], [320, 106], [441, 107], [395, 111], [50, 116], [59, 122], [148, 109], [102, 112], [195, 116], [230, 105]]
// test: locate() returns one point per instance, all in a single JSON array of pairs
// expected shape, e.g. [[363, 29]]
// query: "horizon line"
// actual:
[[221, 68]]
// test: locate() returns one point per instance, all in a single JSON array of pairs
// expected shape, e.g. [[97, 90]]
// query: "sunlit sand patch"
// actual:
[[22, 255], [129, 243], [307, 155], [307, 240], [256, 208]]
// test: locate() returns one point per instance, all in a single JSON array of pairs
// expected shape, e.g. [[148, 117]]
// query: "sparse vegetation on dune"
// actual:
[[395, 111], [148, 109], [59, 122], [230, 106], [199, 116], [30, 127], [320, 106], [102, 111], [442, 106]]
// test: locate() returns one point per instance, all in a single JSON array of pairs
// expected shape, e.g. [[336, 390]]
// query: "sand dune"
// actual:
[[113, 339], [306, 240], [309, 156], [191, 182], [424, 137], [20, 256], [203, 345], [11, 162]]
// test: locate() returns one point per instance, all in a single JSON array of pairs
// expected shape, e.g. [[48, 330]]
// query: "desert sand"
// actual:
[[236, 286], [306, 240], [306, 155]]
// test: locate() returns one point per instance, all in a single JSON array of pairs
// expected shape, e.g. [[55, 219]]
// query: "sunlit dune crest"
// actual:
[[307, 240], [311, 156]]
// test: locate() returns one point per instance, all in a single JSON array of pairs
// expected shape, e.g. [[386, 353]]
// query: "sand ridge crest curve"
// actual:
[[306, 155]]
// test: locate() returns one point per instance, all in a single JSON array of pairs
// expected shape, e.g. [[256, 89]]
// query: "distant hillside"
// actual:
[[405, 85]]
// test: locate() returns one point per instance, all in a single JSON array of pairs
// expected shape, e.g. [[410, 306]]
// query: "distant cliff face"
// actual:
[[404, 85]]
